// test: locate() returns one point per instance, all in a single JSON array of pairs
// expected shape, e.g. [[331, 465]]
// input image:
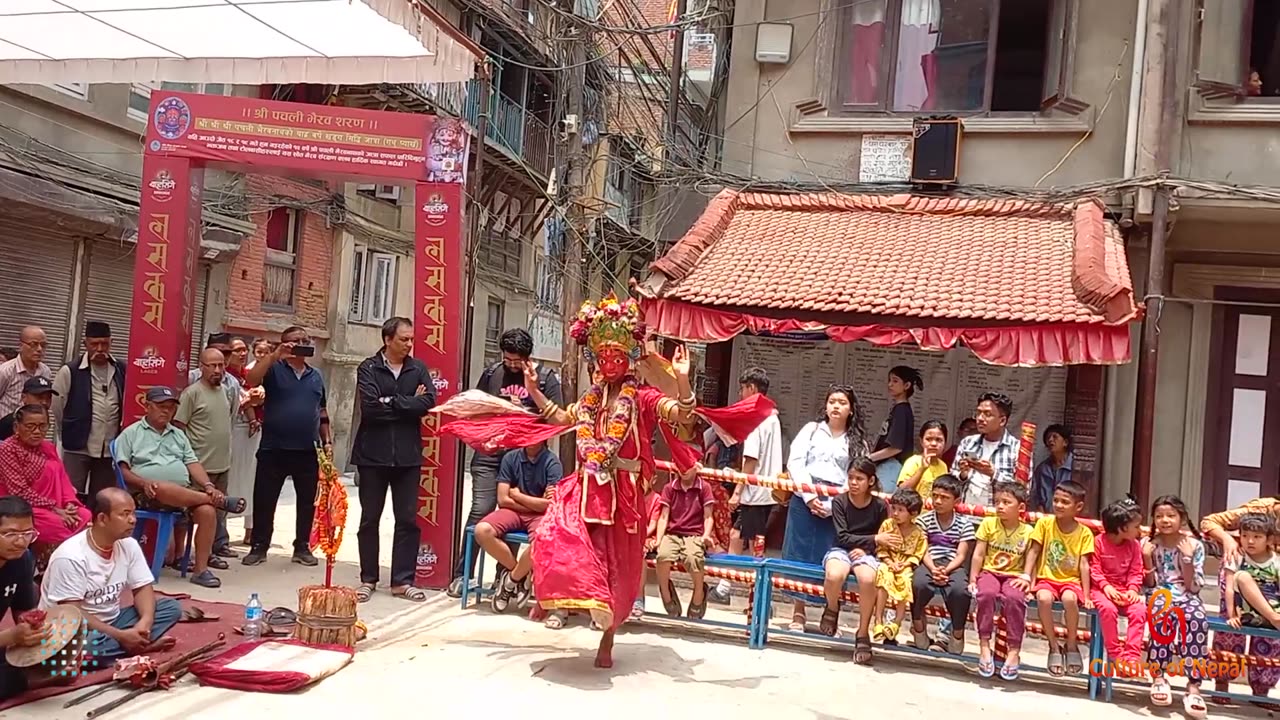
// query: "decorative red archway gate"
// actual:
[[187, 133]]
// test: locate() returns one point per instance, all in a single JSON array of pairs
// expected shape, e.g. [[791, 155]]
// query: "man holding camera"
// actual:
[[294, 420]]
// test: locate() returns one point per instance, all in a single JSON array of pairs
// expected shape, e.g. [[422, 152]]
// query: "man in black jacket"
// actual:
[[504, 379], [395, 392]]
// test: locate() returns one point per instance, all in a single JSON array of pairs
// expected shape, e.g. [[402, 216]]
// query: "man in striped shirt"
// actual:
[[944, 569], [29, 364]]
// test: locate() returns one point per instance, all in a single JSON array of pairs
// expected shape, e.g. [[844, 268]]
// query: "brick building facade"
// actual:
[[283, 273]]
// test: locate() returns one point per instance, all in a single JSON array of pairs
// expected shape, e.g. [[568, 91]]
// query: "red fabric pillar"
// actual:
[[438, 342], [168, 247]]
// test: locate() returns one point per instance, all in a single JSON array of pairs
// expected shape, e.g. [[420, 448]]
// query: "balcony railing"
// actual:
[[527, 138]]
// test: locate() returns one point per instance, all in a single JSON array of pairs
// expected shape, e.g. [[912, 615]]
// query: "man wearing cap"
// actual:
[[88, 395], [29, 364], [163, 472], [36, 391]]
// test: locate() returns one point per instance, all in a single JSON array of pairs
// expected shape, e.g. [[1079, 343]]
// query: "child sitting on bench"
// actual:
[[900, 546]]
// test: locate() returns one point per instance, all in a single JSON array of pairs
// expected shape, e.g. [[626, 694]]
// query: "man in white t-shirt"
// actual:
[[761, 455], [93, 568]]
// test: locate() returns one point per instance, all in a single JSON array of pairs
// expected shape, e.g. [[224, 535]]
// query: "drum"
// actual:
[[63, 654]]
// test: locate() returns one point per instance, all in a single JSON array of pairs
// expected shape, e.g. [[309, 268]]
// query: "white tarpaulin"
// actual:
[[240, 42]]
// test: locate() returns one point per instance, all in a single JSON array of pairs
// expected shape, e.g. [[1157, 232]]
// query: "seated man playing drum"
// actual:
[[92, 569], [162, 471]]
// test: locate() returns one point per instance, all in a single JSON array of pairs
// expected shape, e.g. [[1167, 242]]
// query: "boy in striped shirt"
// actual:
[[945, 569]]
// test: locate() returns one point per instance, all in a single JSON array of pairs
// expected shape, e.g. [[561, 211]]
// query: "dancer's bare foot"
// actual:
[[604, 655]]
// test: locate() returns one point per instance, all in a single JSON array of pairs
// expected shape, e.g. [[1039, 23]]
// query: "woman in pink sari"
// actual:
[[30, 468]]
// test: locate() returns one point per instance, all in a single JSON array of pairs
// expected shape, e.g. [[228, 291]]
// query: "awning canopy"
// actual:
[[242, 42], [1018, 283]]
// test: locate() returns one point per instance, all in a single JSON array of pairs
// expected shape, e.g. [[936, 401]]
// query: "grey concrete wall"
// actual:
[[762, 137]]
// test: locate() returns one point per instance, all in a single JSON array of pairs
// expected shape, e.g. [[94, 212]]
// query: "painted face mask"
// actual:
[[613, 364]]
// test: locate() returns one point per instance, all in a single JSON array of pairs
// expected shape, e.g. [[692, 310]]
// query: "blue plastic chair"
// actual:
[[165, 522]]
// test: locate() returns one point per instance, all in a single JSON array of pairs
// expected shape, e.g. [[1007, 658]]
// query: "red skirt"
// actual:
[[589, 566]]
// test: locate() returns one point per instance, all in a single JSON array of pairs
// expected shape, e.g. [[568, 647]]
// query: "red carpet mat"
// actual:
[[189, 635]]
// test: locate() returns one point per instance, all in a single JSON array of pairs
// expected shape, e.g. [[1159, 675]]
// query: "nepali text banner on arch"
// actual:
[[309, 139]]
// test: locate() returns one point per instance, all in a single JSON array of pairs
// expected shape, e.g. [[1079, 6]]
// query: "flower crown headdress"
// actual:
[[610, 324]]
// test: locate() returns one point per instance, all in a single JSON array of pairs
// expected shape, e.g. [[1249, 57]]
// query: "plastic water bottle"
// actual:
[[253, 618]]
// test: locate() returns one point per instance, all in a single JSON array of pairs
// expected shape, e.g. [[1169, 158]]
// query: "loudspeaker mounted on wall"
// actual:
[[935, 150]]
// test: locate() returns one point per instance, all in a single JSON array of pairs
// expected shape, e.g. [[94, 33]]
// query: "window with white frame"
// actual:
[[373, 286], [140, 94], [390, 193], [79, 91], [955, 56], [280, 266], [1238, 55]]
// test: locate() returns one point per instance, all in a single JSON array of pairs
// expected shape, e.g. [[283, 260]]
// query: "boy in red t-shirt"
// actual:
[[685, 524]]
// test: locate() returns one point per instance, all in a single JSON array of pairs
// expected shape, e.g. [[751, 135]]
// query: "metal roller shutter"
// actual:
[[38, 267], [109, 296], [200, 300]]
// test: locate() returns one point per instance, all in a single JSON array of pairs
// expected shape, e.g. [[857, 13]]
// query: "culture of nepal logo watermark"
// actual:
[[73, 659], [1166, 624]]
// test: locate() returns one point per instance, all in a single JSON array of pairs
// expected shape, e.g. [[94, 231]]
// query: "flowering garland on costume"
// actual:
[[610, 324], [596, 452]]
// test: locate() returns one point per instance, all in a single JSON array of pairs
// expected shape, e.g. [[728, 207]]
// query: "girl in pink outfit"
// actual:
[[1116, 573]]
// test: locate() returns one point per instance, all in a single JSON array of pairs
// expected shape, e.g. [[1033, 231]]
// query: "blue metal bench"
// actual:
[[744, 563], [786, 568], [471, 549], [1103, 686]]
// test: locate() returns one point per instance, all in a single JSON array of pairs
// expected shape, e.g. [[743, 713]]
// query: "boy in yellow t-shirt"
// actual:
[[1059, 559], [1001, 554]]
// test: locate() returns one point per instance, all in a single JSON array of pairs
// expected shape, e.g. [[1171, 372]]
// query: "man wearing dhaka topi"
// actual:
[[588, 552]]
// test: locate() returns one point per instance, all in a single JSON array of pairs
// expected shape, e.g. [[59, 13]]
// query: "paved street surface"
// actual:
[[431, 659]]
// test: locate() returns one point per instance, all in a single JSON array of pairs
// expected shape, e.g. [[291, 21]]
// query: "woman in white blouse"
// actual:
[[820, 455]]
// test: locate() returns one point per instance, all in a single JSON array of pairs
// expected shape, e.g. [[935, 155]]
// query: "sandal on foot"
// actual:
[[1193, 705], [698, 610], [233, 505], [555, 621], [1161, 693], [1009, 672], [986, 667], [830, 621], [1075, 664], [206, 579], [797, 623], [410, 593], [364, 592], [1056, 665], [671, 603], [862, 650]]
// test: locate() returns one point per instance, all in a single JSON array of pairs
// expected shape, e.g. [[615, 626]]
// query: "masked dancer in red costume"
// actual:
[[589, 549]]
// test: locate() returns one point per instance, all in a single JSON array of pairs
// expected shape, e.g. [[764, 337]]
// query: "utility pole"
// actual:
[[575, 270], [677, 77]]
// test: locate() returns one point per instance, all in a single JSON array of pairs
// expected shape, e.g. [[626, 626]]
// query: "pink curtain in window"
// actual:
[[864, 64]]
